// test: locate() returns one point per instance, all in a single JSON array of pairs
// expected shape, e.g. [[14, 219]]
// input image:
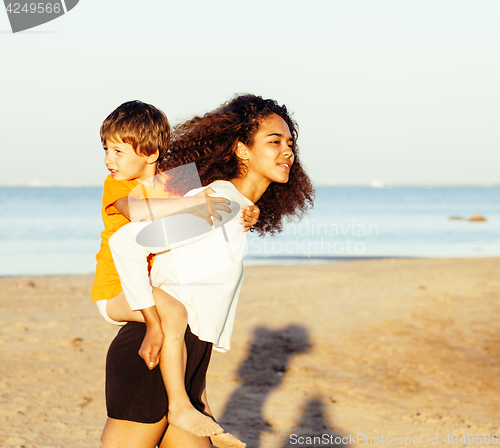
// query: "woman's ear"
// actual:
[[242, 151]]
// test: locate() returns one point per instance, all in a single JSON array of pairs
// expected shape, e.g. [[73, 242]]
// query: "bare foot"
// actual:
[[194, 422], [226, 440]]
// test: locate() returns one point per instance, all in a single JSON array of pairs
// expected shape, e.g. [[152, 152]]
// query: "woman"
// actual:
[[246, 151]]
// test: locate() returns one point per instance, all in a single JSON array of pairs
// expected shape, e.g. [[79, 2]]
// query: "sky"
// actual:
[[384, 91]]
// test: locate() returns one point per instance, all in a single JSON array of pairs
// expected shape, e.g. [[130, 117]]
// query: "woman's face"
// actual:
[[271, 156]]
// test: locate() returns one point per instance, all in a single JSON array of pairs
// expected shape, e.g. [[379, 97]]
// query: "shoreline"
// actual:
[[281, 261]]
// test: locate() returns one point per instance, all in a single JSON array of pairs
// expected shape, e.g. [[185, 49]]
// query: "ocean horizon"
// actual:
[[56, 230]]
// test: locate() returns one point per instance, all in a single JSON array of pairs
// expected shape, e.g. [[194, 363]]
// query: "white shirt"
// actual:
[[202, 267]]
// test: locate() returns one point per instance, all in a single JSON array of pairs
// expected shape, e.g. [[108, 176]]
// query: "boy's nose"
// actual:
[[108, 160]]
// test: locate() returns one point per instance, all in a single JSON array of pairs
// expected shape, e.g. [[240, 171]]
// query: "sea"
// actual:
[[56, 230]]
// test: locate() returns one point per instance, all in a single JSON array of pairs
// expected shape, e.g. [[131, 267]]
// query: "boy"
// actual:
[[135, 137]]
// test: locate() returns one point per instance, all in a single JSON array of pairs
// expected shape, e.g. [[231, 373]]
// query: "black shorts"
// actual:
[[135, 393]]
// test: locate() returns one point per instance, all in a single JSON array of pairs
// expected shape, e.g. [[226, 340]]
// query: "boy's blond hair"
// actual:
[[141, 125]]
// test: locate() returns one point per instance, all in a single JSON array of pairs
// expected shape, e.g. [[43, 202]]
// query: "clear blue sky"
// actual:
[[404, 92]]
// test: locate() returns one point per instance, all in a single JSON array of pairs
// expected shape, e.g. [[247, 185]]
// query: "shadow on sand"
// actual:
[[314, 429], [260, 373]]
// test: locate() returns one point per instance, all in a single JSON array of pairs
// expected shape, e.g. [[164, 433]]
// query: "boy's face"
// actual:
[[125, 164]]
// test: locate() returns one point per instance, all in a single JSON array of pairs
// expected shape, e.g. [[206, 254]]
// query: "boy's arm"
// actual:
[[202, 205]]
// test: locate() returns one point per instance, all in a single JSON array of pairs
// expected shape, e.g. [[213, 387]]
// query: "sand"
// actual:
[[374, 348]]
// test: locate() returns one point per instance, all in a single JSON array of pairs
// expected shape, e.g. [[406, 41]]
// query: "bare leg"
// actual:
[[118, 309], [181, 413], [125, 434], [176, 438]]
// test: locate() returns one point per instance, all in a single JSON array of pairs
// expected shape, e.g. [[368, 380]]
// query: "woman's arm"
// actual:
[[131, 264]]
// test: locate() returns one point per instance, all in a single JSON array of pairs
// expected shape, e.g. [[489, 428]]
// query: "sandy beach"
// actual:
[[396, 348]]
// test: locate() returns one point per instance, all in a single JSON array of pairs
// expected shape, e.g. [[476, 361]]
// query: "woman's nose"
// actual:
[[287, 151]]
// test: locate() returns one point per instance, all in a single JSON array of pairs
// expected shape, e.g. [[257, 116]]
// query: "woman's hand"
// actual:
[[249, 217]]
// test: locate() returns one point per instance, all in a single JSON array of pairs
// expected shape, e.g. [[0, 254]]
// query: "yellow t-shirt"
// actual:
[[106, 281]]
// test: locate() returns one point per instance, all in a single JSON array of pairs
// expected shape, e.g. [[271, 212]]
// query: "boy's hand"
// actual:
[[210, 206], [151, 346], [249, 217]]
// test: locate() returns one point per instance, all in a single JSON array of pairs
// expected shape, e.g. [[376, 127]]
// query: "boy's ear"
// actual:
[[242, 151], [153, 158]]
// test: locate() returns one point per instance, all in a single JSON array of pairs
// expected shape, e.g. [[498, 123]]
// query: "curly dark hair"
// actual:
[[210, 141]]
